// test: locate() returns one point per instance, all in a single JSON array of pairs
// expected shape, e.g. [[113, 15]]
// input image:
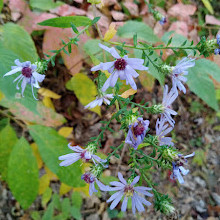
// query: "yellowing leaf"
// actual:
[[50, 174], [84, 190], [48, 102], [147, 80], [64, 189], [128, 93], [84, 89], [65, 131], [110, 32], [48, 93], [44, 183], [37, 155], [208, 6], [1, 95]]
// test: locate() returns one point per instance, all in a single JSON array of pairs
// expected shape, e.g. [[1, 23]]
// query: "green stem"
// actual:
[[150, 47], [72, 41], [115, 150]]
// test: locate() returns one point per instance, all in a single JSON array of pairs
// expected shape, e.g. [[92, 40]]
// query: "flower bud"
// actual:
[[164, 204], [92, 147], [159, 17], [129, 119], [156, 109], [169, 153], [41, 66], [97, 170], [166, 69]]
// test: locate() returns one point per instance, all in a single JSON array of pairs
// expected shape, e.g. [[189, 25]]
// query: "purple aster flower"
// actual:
[[168, 99], [179, 73], [137, 132], [126, 190], [81, 153], [28, 75], [162, 130], [122, 67], [91, 179], [218, 39], [99, 100], [217, 51], [163, 20], [178, 168]]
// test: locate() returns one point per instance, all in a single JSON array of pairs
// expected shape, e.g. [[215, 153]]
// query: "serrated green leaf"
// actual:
[[200, 83], [84, 88], [66, 21], [23, 173], [50, 148], [144, 32], [8, 139], [45, 5], [24, 48]]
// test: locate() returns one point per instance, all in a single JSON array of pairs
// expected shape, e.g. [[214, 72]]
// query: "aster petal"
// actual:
[[102, 186], [131, 80], [190, 155], [138, 203], [38, 77], [133, 205], [116, 201], [17, 78], [121, 178], [116, 183], [183, 170], [135, 180], [144, 201], [142, 188], [69, 156], [75, 148], [124, 204], [112, 51], [177, 175], [114, 196], [144, 192], [92, 188], [131, 71], [113, 79], [13, 71], [18, 63], [23, 86], [68, 162]]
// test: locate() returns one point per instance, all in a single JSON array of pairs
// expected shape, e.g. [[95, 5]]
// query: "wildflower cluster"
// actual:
[[135, 127]]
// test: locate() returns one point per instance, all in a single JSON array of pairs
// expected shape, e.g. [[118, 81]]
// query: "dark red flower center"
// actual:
[[129, 190], [83, 156], [138, 130], [120, 64], [88, 178], [27, 72]]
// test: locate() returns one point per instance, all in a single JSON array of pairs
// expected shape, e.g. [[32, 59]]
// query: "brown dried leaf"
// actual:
[[209, 19], [119, 16], [67, 10], [132, 8], [180, 27]]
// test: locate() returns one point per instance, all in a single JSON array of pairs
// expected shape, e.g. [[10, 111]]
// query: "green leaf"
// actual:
[[1, 5], [23, 173], [76, 199], [45, 5], [8, 139], [200, 83], [16, 39], [50, 148], [35, 215], [95, 20], [75, 212], [66, 21], [48, 215], [208, 6], [84, 88], [3, 123], [46, 196], [143, 31], [66, 207]]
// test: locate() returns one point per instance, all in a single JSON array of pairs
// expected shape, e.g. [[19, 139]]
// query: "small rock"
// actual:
[[216, 197], [200, 206], [105, 216], [200, 181], [93, 217]]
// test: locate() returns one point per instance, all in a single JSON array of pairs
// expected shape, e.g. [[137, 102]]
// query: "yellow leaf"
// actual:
[[147, 80], [1, 96], [84, 89], [65, 131], [84, 190], [208, 6], [48, 93], [44, 183], [48, 102], [110, 32], [64, 189], [128, 93], [37, 155], [51, 175]]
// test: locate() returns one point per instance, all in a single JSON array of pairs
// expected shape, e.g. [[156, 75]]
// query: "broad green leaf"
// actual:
[[23, 173], [16, 39], [35, 215], [75, 212], [84, 89], [200, 83], [51, 146], [3, 123], [45, 5], [143, 31], [8, 139], [65, 21]]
